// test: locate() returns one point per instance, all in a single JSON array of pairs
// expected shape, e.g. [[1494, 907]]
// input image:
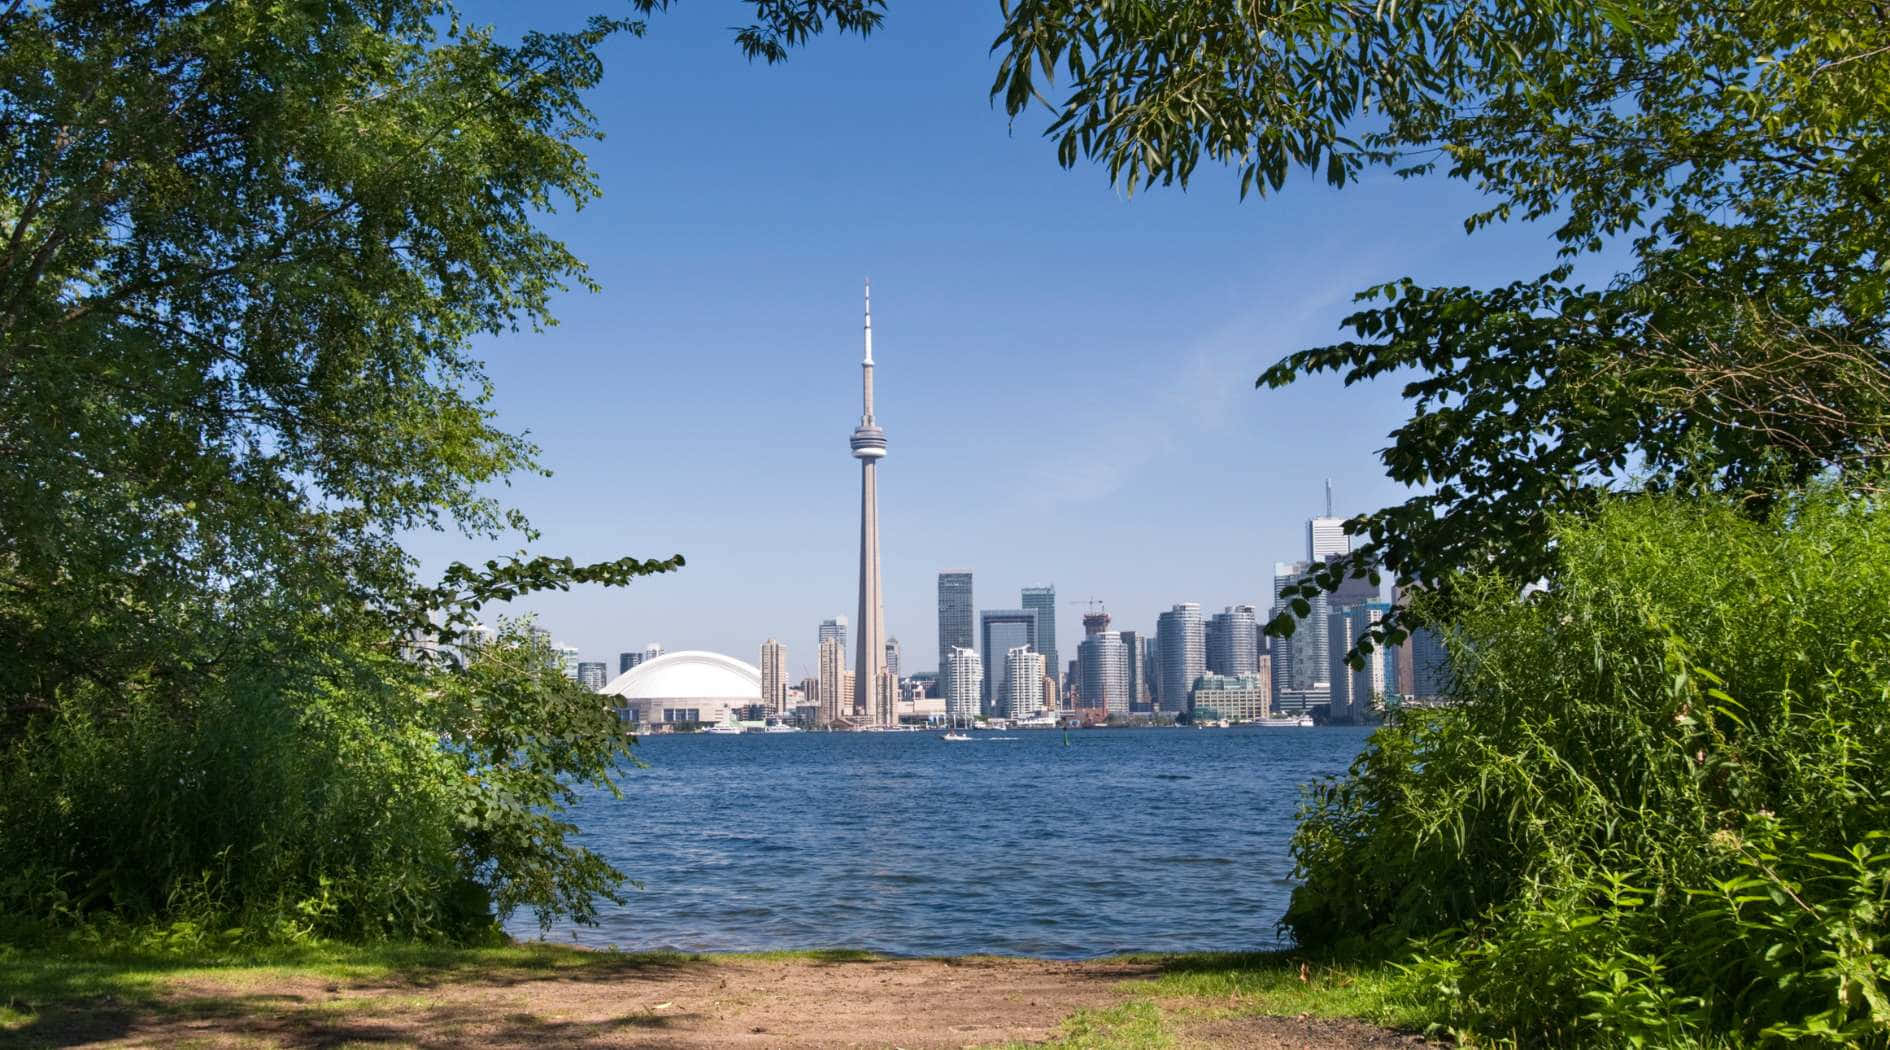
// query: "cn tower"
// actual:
[[869, 445]]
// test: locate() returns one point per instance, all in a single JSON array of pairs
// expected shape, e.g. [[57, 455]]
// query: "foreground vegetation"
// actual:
[[1660, 810], [244, 251]]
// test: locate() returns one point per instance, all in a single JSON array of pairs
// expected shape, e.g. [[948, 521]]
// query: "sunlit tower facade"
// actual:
[[774, 677], [869, 447]]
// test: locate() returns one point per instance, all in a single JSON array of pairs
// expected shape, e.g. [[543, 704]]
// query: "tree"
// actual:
[[1736, 151], [244, 248]]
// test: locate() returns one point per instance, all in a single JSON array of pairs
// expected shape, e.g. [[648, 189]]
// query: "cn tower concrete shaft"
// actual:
[[869, 447]]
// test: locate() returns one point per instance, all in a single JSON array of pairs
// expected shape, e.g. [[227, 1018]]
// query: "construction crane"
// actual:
[[1095, 621]]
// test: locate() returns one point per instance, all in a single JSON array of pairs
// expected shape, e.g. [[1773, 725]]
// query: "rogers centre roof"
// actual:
[[689, 675]]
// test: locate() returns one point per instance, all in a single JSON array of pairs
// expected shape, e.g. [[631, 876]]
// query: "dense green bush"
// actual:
[[332, 789], [1657, 814]]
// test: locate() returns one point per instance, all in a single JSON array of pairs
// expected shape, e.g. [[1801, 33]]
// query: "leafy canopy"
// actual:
[[244, 250], [1736, 151]]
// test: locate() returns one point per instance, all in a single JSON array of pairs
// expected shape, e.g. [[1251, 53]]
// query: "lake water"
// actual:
[[1011, 843]]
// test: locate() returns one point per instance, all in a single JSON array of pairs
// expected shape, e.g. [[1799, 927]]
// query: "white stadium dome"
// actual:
[[689, 686]]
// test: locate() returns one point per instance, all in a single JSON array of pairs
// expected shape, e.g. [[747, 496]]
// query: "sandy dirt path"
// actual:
[[686, 1005]]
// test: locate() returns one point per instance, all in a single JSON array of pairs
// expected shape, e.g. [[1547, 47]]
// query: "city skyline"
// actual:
[[1231, 642], [1107, 408]]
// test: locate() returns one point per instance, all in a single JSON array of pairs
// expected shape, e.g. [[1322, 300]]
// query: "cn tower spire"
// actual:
[[873, 701]]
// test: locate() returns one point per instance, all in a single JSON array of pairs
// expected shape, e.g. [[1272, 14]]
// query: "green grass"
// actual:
[[1202, 987], [1130, 1026], [1285, 984]]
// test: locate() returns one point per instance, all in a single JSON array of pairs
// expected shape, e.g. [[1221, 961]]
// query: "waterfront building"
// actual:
[[831, 666], [964, 683], [1234, 698], [1103, 662], [1002, 630], [685, 687], [955, 628], [593, 675], [1232, 641], [1023, 679], [1355, 691], [1181, 640], [1425, 671], [1043, 602], [892, 657], [885, 701], [566, 657], [1300, 665], [835, 630], [921, 685], [848, 695], [774, 683], [869, 447], [1139, 679]]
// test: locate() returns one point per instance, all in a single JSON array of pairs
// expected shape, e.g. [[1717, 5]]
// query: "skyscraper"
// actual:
[[1325, 535], [1043, 602], [566, 657], [964, 684], [1135, 650], [835, 702], [1233, 642], [1300, 665], [1425, 673], [1002, 630], [626, 661], [1354, 690], [1104, 664], [591, 674], [1182, 643], [892, 657], [835, 629], [774, 680], [1023, 682], [869, 447], [955, 629]]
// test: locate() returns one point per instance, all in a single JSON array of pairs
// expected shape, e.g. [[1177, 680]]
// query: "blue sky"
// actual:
[[1065, 374]]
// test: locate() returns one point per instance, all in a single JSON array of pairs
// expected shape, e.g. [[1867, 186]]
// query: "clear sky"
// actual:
[[1065, 375]]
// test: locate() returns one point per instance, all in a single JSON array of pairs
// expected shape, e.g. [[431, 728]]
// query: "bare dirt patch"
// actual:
[[682, 1004]]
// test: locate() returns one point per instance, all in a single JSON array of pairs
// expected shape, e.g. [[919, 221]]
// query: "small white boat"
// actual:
[[723, 727], [956, 735], [1286, 722], [782, 727]]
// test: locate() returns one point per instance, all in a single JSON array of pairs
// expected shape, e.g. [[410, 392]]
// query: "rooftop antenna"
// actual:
[[1328, 497]]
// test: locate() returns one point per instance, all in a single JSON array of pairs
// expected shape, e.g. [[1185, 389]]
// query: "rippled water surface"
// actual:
[[1011, 843]]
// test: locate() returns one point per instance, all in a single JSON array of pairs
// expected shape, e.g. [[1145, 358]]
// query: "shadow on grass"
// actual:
[[290, 1021], [82, 994]]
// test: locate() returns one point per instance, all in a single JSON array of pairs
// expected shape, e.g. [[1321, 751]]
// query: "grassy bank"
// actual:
[[1187, 994]]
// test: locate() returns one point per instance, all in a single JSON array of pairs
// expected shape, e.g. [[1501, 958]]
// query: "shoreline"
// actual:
[[538, 994]]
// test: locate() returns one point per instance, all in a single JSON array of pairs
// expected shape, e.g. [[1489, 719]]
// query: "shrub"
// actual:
[[333, 790], [1655, 813]]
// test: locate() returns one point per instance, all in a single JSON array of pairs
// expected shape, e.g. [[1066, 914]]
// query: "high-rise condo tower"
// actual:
[[869, 446]]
